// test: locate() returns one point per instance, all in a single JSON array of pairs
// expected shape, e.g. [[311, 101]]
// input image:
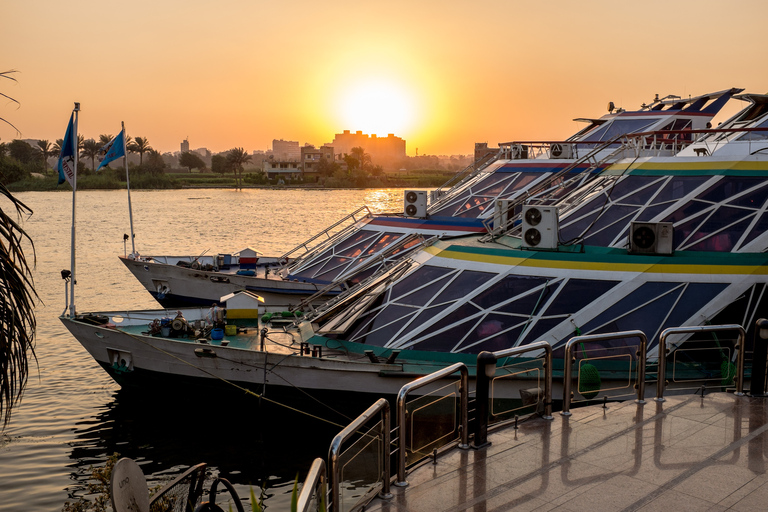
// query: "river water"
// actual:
[[73, 416]]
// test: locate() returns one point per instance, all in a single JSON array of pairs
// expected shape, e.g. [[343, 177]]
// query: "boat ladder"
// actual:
[[330, 235], [387, 273]]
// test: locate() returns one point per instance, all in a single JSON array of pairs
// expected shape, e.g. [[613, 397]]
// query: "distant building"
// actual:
[[286, 150], [185, 145], [384, 151], [311, 157], [276, 168]]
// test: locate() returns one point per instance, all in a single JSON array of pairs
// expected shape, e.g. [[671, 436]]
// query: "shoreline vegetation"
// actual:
[[24, 167], [114, 179]]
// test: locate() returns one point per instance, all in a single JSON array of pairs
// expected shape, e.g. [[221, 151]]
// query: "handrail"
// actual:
[[568, 360], [325, 231], [341, 281], [314, 485], [421, 382], [486, 363], [740, 345], [547, 183], [381, 406]]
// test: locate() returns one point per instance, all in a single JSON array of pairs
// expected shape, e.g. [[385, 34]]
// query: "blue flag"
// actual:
[[67, 156], [113, 150]]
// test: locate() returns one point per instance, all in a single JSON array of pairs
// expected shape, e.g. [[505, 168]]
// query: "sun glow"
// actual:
[[376, 107]]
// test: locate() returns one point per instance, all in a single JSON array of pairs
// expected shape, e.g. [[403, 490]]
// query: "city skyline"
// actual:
[[441, 75]]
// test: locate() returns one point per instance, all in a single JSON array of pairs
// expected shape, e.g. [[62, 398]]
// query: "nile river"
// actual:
[[73, 416]]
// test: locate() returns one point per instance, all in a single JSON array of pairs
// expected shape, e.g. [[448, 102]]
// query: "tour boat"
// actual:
[[362, 243], [667, 230]]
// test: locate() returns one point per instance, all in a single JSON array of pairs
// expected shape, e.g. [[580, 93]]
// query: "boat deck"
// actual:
[[688, 453]]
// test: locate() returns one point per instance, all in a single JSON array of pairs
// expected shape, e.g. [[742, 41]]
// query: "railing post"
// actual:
[[486, 369], [567, 372], [661, 373], [759, 358]]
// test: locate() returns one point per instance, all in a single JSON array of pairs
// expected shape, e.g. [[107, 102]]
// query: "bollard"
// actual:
[[486, 370]]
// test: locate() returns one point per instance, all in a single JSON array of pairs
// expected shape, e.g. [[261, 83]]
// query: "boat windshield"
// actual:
[[757, 135], [618, 127]]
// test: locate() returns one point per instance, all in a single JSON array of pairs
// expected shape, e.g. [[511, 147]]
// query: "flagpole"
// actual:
[[76, 113], [128, 184]]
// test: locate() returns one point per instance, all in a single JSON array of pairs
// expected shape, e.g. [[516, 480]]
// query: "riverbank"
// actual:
[[115, 180]]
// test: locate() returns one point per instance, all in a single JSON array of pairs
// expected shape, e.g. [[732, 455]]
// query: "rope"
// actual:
[[243, 389]]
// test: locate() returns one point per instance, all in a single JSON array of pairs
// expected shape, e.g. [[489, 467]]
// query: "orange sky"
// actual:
[[440, 74]]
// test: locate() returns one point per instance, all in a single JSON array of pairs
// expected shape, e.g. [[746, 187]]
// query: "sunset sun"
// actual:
[[376, 107]]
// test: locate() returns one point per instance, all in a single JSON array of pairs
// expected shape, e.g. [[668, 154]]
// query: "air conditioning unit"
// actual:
[[518, 152], [415, 203], [560, 151], [501, 213], [540, 227], [651, 238]]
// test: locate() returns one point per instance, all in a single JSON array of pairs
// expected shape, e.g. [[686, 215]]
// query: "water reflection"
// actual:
[[252, 444]]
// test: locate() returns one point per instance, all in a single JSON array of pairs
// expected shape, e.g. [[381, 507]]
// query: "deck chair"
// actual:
[[129, 492]]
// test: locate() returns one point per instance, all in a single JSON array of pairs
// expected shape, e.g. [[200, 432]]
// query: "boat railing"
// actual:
[[490, 375], [328, 233], [588, 374], [596, 158], [315, 488], [446, 402], [462, 178], [406, 244], [375, 441], [364, 291], [722, 361]]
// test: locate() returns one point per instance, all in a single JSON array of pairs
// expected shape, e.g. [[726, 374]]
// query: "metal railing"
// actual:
[[420, 383], [334, 453], [486, 373], [663, 348], [569, 359], [315, 485]]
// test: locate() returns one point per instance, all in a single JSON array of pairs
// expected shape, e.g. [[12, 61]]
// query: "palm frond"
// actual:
[[17, 316]]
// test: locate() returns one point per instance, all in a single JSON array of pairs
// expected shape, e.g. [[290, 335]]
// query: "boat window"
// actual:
[[541, 327], [424, 318], [418, 278], [439, 340], [713, 237], [510, 287], [610, 225], [619, 127], [760, 227], [494, 332], [467, 280], [756, 135], [423, 295], [381, 334], [679, 187], [576, 293]]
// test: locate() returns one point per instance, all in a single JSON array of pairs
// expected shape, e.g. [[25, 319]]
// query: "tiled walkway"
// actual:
[[688, 453]]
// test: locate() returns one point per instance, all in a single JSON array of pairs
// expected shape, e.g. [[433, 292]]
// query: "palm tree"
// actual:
[[104, 138], [237, 157], [91, 150], [17, 316], [139, 145], [46, 151], [363, 158]]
